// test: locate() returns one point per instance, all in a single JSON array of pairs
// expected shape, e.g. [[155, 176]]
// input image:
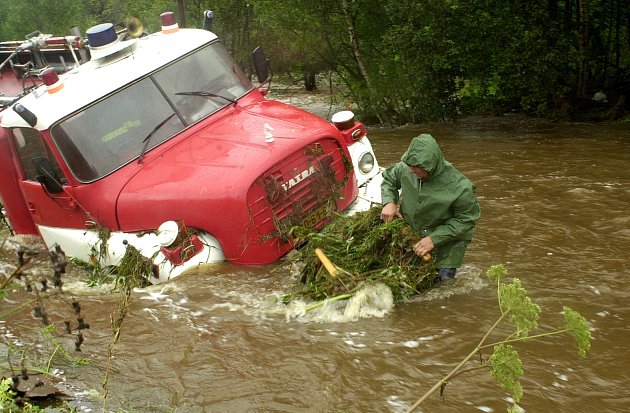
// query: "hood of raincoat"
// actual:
[[424, 152], [443, 206]]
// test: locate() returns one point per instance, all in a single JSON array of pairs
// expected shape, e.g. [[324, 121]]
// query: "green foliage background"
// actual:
[[401, 61]]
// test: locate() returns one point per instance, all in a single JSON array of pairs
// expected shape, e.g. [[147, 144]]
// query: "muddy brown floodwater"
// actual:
[[555, 210]]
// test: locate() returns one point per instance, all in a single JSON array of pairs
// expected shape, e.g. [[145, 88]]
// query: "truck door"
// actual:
[[56, 208]]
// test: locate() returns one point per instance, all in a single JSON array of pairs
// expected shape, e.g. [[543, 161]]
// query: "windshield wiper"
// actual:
[[148, 137], [207, 95]]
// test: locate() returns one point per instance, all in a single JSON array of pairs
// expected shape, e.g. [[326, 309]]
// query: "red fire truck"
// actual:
[[161, 142]]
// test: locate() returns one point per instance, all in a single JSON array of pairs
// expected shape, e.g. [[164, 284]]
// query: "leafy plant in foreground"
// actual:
[[8, 400], [40, 287], [505, 364]]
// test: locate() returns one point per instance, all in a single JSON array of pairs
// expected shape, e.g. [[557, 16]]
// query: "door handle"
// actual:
[[66, 203], [33, 210]]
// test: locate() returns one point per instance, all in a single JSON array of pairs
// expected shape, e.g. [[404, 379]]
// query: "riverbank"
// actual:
[[323, 102], [329, 99]]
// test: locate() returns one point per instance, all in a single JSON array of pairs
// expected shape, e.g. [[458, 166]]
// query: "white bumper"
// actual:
[[86, 245]]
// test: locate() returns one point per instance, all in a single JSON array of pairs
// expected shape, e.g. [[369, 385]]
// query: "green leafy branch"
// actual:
[[40, 288], [504, 363], [361, 250], [49, 332]]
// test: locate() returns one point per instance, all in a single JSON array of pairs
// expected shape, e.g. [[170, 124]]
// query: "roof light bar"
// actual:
[[101, 35], [51, 80], [169, 24]]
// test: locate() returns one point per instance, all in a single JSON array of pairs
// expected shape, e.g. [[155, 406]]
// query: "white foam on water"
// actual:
[[83, 288], [161, 304], [354, 344], [397, 404], [370, 301], [156, 296], [561, 376], [594, 289], [151, 312], [411, 343]]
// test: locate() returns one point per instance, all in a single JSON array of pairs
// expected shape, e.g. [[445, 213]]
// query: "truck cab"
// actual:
[[163, 143]]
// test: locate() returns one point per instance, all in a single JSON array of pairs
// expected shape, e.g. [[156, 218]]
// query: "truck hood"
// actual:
[[210, 169]]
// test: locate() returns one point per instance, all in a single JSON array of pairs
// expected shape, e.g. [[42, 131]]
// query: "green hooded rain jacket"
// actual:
[[443, 206]]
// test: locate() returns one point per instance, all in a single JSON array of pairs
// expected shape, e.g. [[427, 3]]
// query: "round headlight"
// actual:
[[167, 233], [366, 163]]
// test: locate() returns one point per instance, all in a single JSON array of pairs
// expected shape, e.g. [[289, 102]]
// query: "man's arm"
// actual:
[[391, 184], [389, 193], [465, 213]]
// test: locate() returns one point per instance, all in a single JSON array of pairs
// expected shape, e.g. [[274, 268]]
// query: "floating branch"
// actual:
[[358, 250]]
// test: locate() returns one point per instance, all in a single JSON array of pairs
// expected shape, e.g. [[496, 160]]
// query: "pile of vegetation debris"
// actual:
[[358, 250]]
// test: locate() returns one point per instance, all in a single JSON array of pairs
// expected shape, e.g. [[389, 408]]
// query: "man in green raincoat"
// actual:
[[436, 199]]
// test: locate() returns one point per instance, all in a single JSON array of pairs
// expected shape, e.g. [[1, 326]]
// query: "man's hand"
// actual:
[[423, 247], [389, 211]]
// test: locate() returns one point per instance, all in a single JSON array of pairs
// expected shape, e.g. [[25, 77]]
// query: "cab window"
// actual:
[[107, 135], [29, 145]]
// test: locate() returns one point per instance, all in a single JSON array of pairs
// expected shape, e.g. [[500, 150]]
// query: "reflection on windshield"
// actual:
[[209, 70], [109, 134]]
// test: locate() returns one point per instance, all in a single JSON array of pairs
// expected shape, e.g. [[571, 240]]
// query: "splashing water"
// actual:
[[370, 301]]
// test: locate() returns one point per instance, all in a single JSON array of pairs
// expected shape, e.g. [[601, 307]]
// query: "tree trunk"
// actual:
[[617, 48], [310, 82], [180, 11], [583, 39], [354, 42]]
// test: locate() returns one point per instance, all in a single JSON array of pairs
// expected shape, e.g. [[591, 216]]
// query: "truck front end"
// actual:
[[162, 142]]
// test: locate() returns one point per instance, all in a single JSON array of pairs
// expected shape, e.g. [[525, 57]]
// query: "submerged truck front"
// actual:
[[161, 142]]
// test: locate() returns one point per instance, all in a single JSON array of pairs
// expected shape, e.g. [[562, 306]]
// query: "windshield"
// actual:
[[112, 132]]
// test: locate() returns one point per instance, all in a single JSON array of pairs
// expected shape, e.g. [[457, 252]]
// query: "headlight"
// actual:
[[167, 233], [366, 163]]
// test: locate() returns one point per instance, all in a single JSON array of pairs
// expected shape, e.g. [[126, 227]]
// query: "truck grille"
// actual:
[[304, 189]]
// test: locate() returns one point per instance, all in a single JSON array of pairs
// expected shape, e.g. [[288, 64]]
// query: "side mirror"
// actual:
[[208, 16], [46, 175], [261, 65]]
